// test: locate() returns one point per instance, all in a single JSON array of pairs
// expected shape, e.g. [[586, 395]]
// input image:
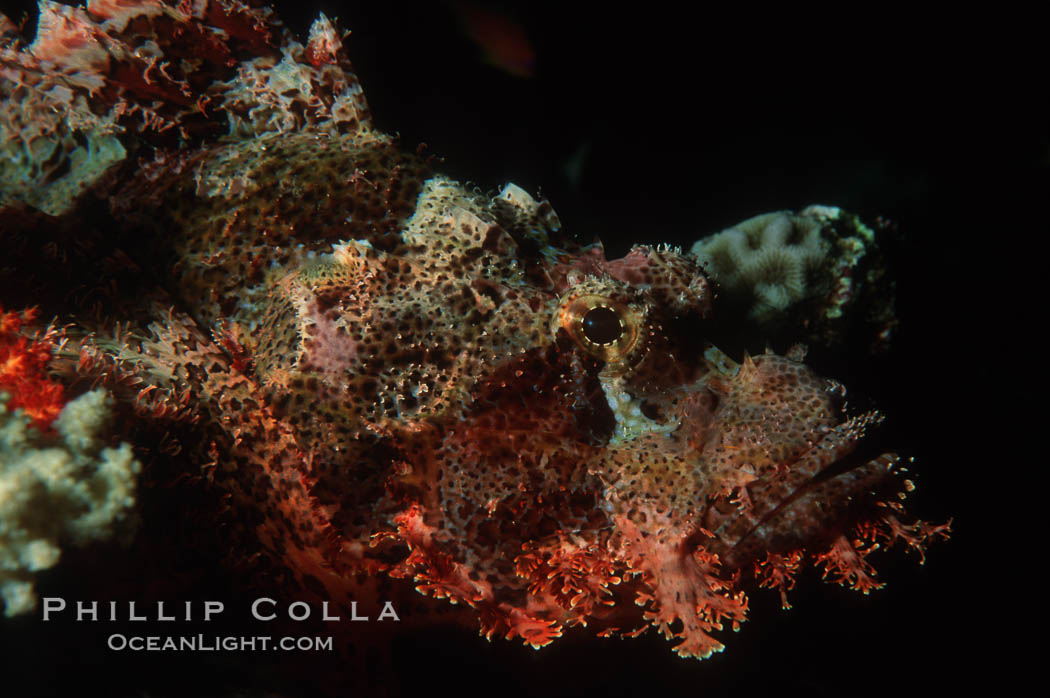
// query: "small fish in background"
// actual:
[[574, 165], [501, 38]]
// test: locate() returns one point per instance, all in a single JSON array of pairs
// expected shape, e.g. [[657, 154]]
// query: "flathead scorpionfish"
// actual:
[[399, 382]]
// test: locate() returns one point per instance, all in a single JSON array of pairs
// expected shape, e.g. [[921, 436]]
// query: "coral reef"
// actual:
[[58, 489], [818, 269], [402, 383]]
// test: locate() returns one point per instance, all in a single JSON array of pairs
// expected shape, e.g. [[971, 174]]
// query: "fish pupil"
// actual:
[[602, 325]]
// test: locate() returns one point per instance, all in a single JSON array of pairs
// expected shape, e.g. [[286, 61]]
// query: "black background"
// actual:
[[691, 120]]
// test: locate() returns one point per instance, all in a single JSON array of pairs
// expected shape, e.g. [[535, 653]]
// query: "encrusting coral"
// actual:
[[814, 269], [772, 257]]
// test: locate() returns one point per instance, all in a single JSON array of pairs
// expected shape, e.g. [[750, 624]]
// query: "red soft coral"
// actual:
[[23, 369]]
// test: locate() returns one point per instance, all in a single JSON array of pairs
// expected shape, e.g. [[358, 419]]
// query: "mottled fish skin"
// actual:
[[405, 382]]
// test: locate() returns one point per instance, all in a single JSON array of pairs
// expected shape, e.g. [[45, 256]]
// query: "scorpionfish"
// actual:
[[402, 382]]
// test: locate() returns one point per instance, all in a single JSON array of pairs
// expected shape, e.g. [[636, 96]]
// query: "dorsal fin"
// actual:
[[175, 74]]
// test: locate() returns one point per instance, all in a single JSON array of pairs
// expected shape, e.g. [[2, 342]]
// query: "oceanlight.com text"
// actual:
[[218, 643]]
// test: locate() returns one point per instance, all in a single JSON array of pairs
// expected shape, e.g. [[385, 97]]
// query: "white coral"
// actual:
[[60, 488], [769, 257]]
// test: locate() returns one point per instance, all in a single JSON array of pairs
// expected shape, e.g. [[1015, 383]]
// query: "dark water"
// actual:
[[678, 125]]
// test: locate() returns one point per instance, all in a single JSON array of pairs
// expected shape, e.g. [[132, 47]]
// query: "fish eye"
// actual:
[[602, 326]]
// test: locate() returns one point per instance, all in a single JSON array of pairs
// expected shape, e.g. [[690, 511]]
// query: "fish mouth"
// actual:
[[806, 510]]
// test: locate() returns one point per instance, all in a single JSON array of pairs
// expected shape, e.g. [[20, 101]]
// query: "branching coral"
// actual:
[[57, 488]]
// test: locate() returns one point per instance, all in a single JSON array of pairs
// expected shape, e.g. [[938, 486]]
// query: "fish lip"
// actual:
[[880, 469], [847, 489], [848, 463]]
